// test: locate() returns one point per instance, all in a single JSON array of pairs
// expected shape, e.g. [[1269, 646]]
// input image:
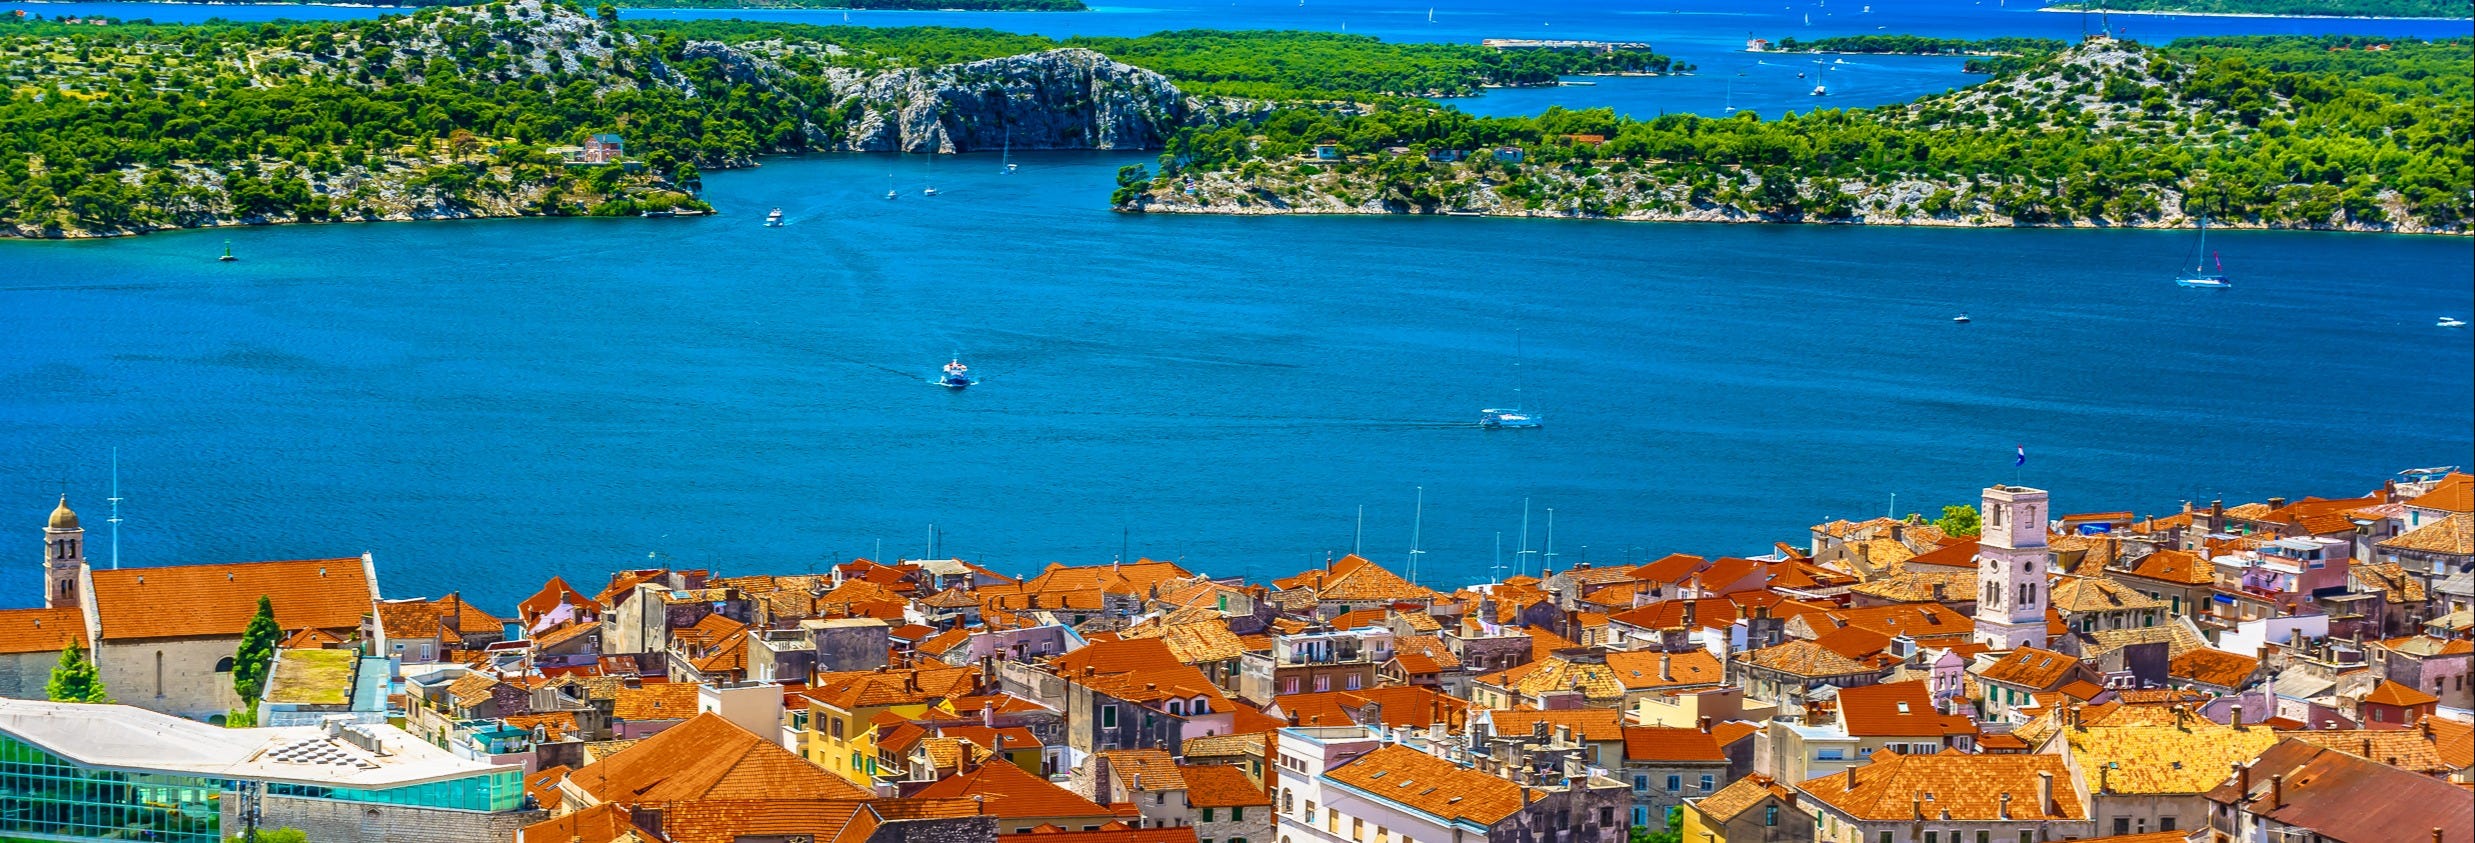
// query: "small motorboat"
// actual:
[[893, 194], [956, 375], [1514, 419], [774, 219], [928, 191], [2450, 322], [1961, 319]]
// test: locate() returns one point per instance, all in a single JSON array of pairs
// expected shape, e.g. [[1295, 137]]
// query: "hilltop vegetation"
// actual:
[[2272, 132], [2299, 8], [453, 112]]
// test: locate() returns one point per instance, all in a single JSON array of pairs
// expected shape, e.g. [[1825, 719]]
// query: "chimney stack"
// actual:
[[2238, 717], [1665, 675], [2006, 805], [2243, 780], [2277, 791], [2045, 794], [1705, 725], [1851, 777]]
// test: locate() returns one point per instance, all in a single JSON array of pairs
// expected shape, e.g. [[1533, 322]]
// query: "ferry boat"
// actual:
[[774, 219], [2199, 276], [956, 375]]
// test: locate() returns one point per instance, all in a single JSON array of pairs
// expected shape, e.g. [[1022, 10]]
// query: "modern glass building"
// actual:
[[72, 773]]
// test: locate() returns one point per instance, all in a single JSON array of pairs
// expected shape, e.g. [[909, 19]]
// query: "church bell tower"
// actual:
[[64, 557], [2011, 563]]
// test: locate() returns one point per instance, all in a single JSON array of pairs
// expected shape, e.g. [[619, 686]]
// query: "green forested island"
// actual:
[[489, 110], [2289, 8], [2263, 132]]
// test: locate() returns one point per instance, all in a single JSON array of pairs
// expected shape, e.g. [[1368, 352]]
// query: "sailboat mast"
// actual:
[[1523, 555], [1417, 528]]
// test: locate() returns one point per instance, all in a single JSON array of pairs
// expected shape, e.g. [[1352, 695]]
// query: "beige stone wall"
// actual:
[[185, 685], [22, 675]]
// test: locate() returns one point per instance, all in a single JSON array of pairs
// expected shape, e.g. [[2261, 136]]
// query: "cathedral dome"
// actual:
[[62, 518]]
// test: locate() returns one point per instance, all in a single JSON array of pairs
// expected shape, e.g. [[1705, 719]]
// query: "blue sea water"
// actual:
[[484, 404]]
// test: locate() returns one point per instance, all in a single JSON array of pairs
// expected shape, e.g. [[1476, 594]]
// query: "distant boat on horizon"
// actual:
[[2450, 322], [2200, 276], [774, 219], [956, 375], [1514, 417]]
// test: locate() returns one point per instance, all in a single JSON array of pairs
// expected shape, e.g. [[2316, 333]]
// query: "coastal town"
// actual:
[[2288, 669]]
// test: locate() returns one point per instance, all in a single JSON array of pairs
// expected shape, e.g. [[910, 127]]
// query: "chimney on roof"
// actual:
[[1916, 805], [1564, 736], [2277, 791], [2243, 781], [2005, 810], [2237, 717], [988, 714], [2367, 748], [2426, 726], [1538, 730], [1665, 674], [2277, 503], [1704, 723], [1851, 782], [2045, 794], [2105, 781]]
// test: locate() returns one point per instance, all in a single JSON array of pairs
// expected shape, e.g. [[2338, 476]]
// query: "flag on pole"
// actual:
[[2022, 459]]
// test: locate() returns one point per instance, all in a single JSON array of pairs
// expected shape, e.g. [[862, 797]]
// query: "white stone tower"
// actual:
[[64, 557], [2011, 561]]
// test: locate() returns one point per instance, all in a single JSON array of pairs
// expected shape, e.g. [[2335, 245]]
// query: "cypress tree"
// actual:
[[256, 655], [75, 679]]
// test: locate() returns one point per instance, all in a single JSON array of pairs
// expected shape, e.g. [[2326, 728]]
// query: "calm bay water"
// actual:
[[483, 404]]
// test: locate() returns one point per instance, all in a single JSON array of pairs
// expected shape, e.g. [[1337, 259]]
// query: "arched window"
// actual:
[[223, 665], [1288, 803]]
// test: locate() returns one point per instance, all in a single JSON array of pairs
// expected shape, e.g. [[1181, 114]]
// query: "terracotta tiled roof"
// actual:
[[1589, 725], [1803, 658], [707, 757], [564, 633], [1970, 787], [2340, 797], [1596, 681], [2213, 667], [556, 725], [1921, 586], [1354, 578], [471, 689], [598, 824], [2178, 636], [1199, 641], [1139, 670], [1744, 793], [42, 630], [1920, 621], [725, 656], [2392, 693], [2097, 594], [1221, 746], [857, 689], [1638, 670], [732, 820], [552, 593], [1111, 833], [2029, 667], [1895, 709], [1430, 647], [2407, 749], [1667, 745], [2168, 760], [1156, 767], [543, 785], [2453, 535], [2455, 493], [1222, 786], [1423, 782], [218, 600], [2175, 566], [655, 701], [1012, 793]]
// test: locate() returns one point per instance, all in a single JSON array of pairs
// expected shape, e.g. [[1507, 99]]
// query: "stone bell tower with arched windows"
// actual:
[[2011, 561], [64, 557]]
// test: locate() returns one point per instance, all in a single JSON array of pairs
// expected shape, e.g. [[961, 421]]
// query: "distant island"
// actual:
[[1986, 55], [534, 108], [2266, 132], [2450, 9]]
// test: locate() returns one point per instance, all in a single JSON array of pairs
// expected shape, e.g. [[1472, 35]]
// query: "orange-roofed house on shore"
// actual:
[[164, 637], [1756, 809], [1958, 796], [846, 710]]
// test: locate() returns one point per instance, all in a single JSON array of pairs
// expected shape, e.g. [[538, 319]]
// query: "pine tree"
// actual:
[[75, 678], [256, 655]]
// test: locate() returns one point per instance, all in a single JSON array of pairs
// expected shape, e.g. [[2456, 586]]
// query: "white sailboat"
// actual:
[[1819, 89], [890, 192], [1514, 417], [2200, 276], [1007, 157], [931, 189]]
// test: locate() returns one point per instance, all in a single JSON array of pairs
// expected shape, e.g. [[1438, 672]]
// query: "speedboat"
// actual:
[[1513, 419], [928, 191], [774, 219], [956, 375], [1961, 319], [2450, 322]]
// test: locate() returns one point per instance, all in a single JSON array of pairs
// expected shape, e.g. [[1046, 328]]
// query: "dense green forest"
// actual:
[[2311, 8], [1989, 55], [1258, 64], [455, 111], [2285, 131]]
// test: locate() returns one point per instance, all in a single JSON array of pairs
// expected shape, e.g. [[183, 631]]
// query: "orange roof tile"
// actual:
[[1969, 787], [2392, 693], [42, 630], [1742, 794], [654, 701], [1013, 793], [543, 785], [1895, 709], [707, 757], [2029, 667], [1589, 725], [218, 600], [2213, 667], [598, 824], [1222, 786], [2455, 493], [1647, 743], [1423, 782]]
